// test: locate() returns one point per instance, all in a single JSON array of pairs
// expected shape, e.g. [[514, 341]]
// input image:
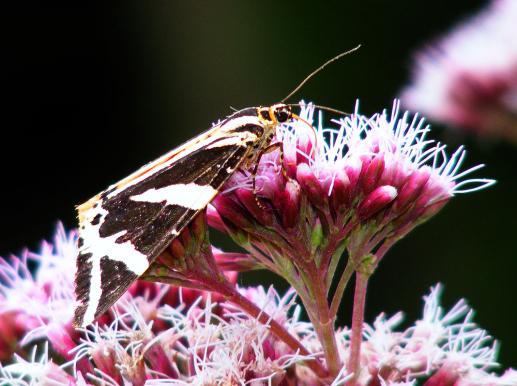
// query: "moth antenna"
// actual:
[[332, 110], [318, 70], [326, 108]]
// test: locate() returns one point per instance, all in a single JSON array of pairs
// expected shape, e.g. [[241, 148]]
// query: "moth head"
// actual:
[[273, 115]]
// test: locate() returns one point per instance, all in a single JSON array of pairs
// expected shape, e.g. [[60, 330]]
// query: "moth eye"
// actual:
[[283, 114], [265, 115]]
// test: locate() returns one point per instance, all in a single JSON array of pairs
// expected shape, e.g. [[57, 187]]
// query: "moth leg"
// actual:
[[268, 149]]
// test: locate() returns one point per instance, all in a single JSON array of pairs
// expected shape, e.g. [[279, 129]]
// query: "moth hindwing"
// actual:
[[123, 229]]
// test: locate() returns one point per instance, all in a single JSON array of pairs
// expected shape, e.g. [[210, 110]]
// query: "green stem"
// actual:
[[341, 286]]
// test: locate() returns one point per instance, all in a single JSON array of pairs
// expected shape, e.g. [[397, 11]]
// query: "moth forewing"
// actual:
[[124, 228]]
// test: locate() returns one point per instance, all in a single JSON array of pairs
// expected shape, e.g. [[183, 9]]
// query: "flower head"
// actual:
[[469, 78], [37, 370], [364, 184], [40, 300], [359, 187], [446, 348], [157, 338]]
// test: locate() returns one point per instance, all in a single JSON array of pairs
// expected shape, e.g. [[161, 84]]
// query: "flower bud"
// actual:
[[105, 358], [310, 185], [411, 189], [61, 341], [9, 335], [290, 160], [159, 361], [375, 201], [55, 375], [134, 370], [353, 170], [372, 173], [214, 219], [288, 204], [340, 193], [234, 262], [231, 211], [447, 375], [432, 209], [249, 200], [305, 149]]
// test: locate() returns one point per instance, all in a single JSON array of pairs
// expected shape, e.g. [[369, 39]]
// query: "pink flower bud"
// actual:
[[238, 262], [231, 211], [353, 170], [288, 204], [134, 371], [249, 200], [447, 375], [372, 173], [55, 375], [375, 201], [61, 340], [310, 185], [411, 189], [105, 359], [340, 193], [9, 335], [214, 219], [305, 148], [159, 361], [432, 209]]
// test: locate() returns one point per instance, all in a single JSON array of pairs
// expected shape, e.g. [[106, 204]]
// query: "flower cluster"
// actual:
[[37, 301], [357, 188], [155, 340], [469, 78], [332, 193]]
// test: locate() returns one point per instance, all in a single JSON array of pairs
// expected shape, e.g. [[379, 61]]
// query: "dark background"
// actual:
[[95, 91]]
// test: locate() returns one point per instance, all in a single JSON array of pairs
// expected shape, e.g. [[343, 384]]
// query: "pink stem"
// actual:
[[354, 361], [324, 326]]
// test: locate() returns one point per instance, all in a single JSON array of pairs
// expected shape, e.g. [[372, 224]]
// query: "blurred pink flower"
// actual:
[[468, 78], [34, 305]]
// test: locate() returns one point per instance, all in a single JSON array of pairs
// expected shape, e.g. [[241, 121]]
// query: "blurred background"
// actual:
[[93, 91]]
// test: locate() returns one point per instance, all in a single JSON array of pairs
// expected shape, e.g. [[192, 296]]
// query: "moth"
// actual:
[[123, 229]]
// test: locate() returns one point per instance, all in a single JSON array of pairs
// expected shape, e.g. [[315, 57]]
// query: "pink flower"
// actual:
[[40, 303], [38, 370], [442, 348], [469, 78], [201, 342], [355, 189], [359, 187], [236, 349], [380, 172]]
